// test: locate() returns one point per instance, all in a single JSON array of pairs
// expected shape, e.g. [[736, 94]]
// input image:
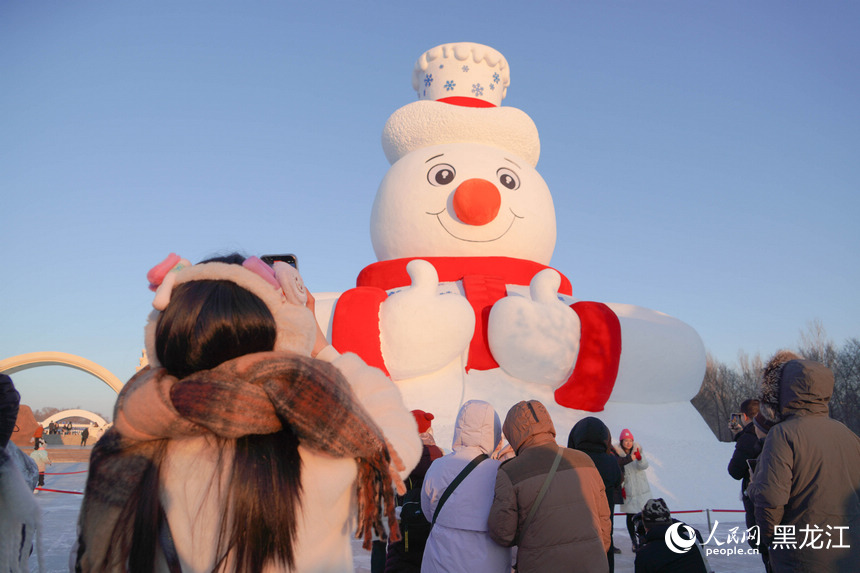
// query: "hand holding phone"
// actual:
[[736, 423], [292, 283], [286, 269]]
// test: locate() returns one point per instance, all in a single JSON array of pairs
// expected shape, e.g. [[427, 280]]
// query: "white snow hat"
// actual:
[[460, 89]]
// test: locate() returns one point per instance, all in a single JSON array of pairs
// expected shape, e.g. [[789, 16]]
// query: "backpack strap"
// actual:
[[541, 493], [453, 485]]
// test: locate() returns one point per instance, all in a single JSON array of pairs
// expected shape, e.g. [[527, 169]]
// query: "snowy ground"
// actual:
[[60, 512]]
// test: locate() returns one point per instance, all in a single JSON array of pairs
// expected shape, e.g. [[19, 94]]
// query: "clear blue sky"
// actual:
[[703, 156]]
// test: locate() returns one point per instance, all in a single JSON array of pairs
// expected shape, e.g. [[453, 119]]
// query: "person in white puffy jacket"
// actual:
[[636, 488], [459, 540]]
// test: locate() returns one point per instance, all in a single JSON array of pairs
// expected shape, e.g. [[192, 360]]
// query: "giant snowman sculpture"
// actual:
[[462, 303]]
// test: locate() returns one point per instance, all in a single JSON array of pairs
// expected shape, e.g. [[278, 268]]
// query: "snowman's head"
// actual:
[[463, 199]]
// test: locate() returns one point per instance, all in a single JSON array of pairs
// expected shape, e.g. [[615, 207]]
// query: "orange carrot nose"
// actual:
[[477, 202]]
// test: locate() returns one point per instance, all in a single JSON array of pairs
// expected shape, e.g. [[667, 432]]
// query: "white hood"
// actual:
[[477, 426]]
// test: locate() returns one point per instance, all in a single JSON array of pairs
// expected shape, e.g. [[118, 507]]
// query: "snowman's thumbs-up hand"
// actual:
[[535, 339], [422, 327], [425, 280], [544, 287]]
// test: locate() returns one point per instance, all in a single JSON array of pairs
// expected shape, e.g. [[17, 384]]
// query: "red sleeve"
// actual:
[[355, 324], [593, 378]]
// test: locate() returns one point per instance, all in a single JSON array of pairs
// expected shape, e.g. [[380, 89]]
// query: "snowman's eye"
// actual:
[[442, 174], [508, 178]]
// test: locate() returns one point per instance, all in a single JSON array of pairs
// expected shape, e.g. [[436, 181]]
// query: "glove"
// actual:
[[638, 455]]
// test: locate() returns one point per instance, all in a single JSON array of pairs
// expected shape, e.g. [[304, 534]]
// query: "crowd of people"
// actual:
[[68, 429], [250, 444], [61, 429]]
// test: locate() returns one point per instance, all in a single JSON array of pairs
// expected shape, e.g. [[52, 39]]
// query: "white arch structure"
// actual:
[[35, 359], [75, 414]]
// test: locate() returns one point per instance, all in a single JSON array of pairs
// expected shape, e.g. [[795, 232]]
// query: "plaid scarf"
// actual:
[[252, 394]]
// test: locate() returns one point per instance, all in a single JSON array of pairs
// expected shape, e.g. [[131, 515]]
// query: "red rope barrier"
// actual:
[[698, 511], [59, 491]]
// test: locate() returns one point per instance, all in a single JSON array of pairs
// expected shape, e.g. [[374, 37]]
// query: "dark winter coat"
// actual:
[[808, 473], [747, 447], [655, 556], [590, 435], [571, 528], [9, 400], [404, 557]]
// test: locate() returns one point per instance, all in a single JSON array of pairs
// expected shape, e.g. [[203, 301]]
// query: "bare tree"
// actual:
[[751, 369], [816, 345], [45, 413], [845, 403], [725, 387]]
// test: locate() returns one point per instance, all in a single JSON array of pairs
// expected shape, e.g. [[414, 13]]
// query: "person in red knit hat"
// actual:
[[406, 555]]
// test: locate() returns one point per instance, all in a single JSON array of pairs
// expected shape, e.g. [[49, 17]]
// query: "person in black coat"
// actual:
[[9, 400], [748, 446], [654, 556], [591, 436], [406, 555]]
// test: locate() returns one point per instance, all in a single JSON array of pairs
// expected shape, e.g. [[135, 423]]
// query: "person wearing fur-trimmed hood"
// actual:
[[808, 474], [636, 489]]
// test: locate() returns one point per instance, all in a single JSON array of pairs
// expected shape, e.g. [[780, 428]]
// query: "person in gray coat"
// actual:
[[19, 513], [806, 486]]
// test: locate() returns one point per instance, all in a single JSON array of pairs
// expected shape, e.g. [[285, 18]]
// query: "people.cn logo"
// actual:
[[678, 543]]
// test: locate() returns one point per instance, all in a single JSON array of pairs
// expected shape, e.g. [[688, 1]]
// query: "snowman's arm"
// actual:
[[593, 379], [572, 348], [354, 325], [663, 358]]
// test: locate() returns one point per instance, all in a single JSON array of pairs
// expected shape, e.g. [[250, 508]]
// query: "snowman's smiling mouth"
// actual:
[[496, 238]]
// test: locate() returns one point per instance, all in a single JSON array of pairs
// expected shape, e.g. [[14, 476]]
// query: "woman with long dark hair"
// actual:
[[235, 450]]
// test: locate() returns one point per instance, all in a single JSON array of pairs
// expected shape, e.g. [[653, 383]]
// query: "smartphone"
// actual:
[[737, 420], [289, 277], [290, 259]]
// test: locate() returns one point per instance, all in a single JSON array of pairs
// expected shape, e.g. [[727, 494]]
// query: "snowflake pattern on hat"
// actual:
[[478, 73]]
